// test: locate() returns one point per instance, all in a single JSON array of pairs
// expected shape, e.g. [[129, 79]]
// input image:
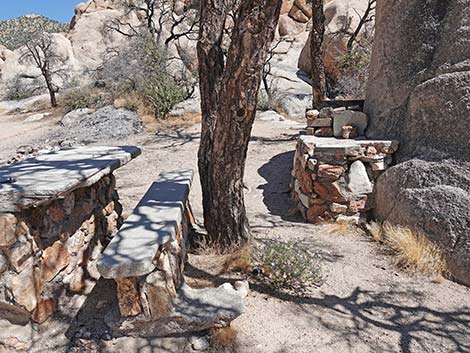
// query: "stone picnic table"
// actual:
[[58, 211]]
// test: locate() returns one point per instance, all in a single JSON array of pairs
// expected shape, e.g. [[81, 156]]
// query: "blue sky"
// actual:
[[60, 10]]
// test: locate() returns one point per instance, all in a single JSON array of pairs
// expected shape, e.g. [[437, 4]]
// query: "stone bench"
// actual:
[[146, 259], [57, 213]]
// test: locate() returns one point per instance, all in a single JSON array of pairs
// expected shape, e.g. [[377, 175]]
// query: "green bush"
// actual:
[[356, 60], [290, 265], [84, 98]]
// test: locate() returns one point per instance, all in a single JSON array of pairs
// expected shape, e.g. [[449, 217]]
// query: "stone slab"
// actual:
[[323, 143], [154, 222], [50, 175], [194, 310]]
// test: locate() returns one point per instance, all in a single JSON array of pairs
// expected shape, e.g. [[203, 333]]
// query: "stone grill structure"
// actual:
[[58, 212], [333, 177]]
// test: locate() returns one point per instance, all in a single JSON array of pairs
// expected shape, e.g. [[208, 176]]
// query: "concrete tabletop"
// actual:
[[47, 176]]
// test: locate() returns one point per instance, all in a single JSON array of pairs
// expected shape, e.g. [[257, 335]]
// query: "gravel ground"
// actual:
[[364, 305]]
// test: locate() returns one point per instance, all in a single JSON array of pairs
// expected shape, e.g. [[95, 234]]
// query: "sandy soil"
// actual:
[[364, 305]]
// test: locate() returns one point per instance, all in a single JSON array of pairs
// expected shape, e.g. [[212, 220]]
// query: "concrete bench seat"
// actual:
[[154, 222]]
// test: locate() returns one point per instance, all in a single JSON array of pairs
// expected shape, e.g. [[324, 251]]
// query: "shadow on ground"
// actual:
[[357, 318], [276, 190]]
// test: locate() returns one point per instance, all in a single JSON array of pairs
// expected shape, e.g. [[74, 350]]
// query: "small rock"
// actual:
[[329, 191], [242, 287], [312, 114], [358, 180], [322, 122], [353, 220], [7, 230], [358, 205], [326, 113], [304, 199], [200, 343], [75, 116], [311, 163], [380, 165], [349, 132], [324, 132], [3, 263], [371, 151], [25, 149], [35, 117], [338, 208], [24, 287], [19, 254], [270, 115], [54, 259], [358, 120], [330, 171], [44, 309]]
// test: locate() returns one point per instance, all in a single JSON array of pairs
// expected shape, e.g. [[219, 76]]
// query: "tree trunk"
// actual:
[[50, 88], [211, 68], [229, 97], [316, 51]]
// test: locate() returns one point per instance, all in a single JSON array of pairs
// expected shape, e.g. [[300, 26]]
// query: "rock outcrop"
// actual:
[[419, 94], [341, 17]]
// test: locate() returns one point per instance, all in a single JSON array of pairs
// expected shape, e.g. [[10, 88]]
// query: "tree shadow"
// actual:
[[276, 190], [353, 318]]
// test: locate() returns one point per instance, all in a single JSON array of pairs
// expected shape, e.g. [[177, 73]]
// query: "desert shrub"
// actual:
[[289, 265], [144, 67], [85, 97], [354, 69], [163, 93], [271, 101], [356, 60]]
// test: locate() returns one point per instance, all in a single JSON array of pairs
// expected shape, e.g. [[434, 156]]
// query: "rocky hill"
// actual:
[[12, 31]]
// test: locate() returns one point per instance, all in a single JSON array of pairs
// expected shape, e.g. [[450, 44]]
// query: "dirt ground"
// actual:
[[364, 305]]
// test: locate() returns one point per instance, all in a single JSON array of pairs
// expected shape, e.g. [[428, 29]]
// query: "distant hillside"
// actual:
[[12, 32]]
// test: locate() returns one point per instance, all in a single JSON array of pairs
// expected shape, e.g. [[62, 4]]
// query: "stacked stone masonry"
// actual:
[[49, 247], [146, 259], [335, 167]]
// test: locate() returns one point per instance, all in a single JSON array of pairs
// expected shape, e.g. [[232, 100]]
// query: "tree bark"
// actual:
[[229, 97], [50, 88], [316, 51], [211, 68]]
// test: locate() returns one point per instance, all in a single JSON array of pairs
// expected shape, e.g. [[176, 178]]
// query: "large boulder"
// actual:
[[90, 38], [418, 93], [434, 197]]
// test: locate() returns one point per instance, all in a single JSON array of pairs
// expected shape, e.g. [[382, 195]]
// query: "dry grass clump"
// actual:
[[413, 248], [376, 231], [240, 260], [340, 228], [223, 338]]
